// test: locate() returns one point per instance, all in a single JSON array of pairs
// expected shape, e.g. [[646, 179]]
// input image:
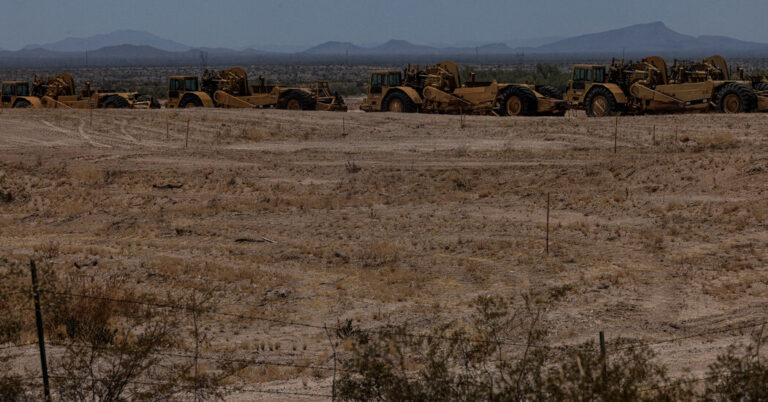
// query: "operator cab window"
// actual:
[[599, 75], [579, 76], [190, 84], [8, 89], [175, 85], [22, 90], [394, 80], [376, 83]]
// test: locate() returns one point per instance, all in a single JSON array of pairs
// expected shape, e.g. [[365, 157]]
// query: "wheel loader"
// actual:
[[230, 89], [60, 92], [634, 88], [731, 94], [438, 89], [16, 94]]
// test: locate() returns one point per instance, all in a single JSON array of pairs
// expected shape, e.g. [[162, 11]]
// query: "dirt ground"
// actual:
[[316, 218]]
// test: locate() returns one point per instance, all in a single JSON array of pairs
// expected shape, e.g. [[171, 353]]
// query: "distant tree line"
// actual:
[[541, 74]]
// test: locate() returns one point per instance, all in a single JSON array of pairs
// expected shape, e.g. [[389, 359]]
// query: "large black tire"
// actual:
[[600, 102], [22, 104], [190, 101], [399, 102], [153, 103], [115, 102], [298, 100], [339, 98], [761, 87], [550, 92], [517, 101], [735, 98]]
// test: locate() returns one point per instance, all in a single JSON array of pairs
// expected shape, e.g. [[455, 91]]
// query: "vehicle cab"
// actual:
[[14, 94], [380, 82], [583, 77], [178, 86]]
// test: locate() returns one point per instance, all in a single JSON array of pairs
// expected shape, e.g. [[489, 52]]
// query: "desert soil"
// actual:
[[317, 218]]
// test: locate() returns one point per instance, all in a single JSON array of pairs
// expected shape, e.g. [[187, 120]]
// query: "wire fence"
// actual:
[[185, 354]]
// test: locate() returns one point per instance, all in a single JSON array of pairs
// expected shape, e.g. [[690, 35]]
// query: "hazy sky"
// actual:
[[238, 23]]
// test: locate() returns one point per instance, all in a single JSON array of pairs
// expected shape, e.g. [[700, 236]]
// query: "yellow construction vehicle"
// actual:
[[16, 94], [438, 89], [731, 94], [230, 89], [60, 92], [184, 91], [634, 88]]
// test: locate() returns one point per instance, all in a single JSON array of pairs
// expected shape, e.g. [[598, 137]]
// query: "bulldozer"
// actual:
[[16, 94], [438, 89], [230, 89], [635, 88], [731, 93], [60, 92]]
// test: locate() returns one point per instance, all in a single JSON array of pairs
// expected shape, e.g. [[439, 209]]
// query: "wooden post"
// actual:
[[333, 348], [759, 342], [40, 332], [616, 134], [546, 249], [186, 141], [602, 353], [197, 337]]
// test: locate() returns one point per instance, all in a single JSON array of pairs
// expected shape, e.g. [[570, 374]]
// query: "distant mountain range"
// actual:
[[654, 37], [116, 38], [127, 46]]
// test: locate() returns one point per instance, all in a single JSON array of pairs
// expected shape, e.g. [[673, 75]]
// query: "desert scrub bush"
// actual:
[[738, 376], [12, 387], [476, 362], [450, 363], [542, 74], [721, 141], [107, 349], [378, 253], [114, 358]]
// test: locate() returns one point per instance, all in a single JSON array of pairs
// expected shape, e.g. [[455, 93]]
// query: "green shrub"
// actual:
[[543, 74]]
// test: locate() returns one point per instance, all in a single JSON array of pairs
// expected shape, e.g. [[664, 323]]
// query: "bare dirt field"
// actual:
[[317, 218]]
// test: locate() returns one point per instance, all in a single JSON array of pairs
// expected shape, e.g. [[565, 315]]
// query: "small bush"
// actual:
[[721, 141], [738, 376], [479, 364]]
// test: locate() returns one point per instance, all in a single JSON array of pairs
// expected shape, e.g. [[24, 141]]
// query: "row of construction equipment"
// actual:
[[227, 89], [647, 86]]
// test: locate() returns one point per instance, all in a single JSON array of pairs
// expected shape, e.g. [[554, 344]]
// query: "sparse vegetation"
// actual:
[[540, 74], [404, 221], [480, 362]]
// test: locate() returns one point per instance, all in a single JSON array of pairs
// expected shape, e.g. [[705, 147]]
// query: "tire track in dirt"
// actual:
[[57, 128], [72, 135], [113, 138], [126, 134], [80, 132]]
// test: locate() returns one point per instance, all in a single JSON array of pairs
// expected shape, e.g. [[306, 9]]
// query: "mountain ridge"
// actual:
[[114, 38], [639, 39], [652, 37]]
